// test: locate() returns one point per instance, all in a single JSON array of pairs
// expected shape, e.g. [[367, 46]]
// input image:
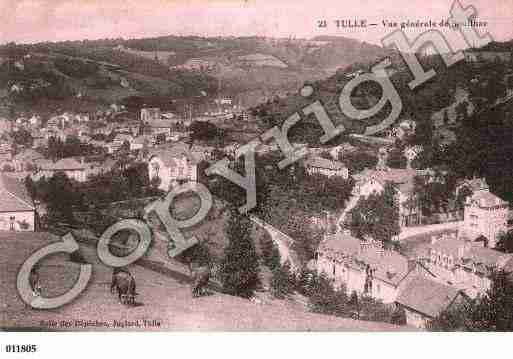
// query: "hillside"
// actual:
[[70, 75], [249, 69], [462, 115], [164, 297]]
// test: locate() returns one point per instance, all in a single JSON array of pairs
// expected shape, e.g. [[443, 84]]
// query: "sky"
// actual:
[[57, 20]]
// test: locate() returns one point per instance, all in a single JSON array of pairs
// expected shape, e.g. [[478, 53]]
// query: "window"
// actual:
[[11, 222], [473, 220], [156, 169]]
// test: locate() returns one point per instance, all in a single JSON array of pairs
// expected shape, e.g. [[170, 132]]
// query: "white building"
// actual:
[[365, 267], [485, 215], [172, 166], [17, 211], [72, 168], [320, 165]]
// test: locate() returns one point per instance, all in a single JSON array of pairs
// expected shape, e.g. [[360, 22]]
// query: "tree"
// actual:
[[491, 312], [60, 198], [203, 131], [359, 160], [282, 281], [269, 252], [325, 299], [445, 118], [376, 216], [505, 242], [23, 137], [30, 186], [239, 272], [462, 110], [198, 255]]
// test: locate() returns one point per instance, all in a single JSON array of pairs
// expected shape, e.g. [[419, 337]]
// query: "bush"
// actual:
[[282, 281]]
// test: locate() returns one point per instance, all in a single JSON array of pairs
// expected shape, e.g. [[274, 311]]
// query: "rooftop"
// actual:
[[427, 296], [485, 199], [402, 178], [64, 164], [14, 196], [320, 162]]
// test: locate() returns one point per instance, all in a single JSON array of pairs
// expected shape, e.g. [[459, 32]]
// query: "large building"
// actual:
[[173, 165], [467, 265], [485, 215], [27, 160], [373, 181], [71, 167], [424, 299], [365, 267], [326, 167], [17, 211]]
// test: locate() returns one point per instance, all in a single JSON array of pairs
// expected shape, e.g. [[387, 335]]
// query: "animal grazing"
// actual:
[[124, 283], [34, 282], [200, 277]]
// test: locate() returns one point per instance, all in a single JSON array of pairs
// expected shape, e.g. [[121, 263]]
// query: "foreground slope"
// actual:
[[162, 299]]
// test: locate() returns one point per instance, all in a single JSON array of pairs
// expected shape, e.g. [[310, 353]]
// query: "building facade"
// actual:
[[17, 211]]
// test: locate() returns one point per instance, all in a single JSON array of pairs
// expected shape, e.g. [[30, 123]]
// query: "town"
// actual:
[[400, 229]]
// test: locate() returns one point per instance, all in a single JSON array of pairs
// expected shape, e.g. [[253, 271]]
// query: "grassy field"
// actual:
[[162, 299]]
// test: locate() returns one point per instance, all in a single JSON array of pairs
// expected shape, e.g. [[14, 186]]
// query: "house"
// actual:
[[341, 150], [172, 166], [374, 181], [5, 125], [6, 150], [72, 168], [465, 264], [324, 166], [141, 142], [365, 267], [485, 215], [149, 114], [35, 121], [472, 185], [165, 127], [27, 160], [479, 57], [118, 142], [97, 168], [17, 211], [424, 299]]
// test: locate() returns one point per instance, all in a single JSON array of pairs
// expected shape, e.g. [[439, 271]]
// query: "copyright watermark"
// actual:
[[147, 230]]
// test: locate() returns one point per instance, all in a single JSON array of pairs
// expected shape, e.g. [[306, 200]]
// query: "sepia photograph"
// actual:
[[255, 166]]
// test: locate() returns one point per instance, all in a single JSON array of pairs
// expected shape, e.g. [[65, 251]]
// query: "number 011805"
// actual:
[[24, 348]]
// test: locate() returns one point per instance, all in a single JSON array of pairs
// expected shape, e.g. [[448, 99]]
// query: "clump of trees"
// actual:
[[324, 298], [282, 281], [376, 216], [71, 147], [64, 196], [76, 68], [505, 242], [239, 270], [492, 311]]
